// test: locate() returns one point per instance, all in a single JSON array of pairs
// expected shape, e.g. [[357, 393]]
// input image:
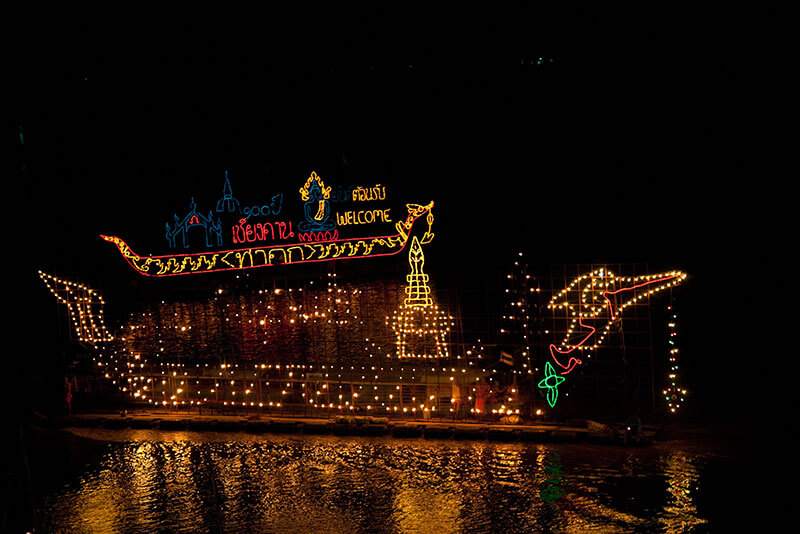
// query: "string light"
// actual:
[[418, 329], [588, 297], [85, 307], [675, 395], [516, 327], [599, 298], [170, 340], [517, 321], [274, 315], [421, 328]]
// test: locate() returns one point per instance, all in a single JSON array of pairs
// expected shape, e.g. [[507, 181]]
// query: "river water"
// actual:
[[132, 481]]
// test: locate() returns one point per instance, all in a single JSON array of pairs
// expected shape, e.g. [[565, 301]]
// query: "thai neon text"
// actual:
[[365, 194], [248, 233], [273, 208]]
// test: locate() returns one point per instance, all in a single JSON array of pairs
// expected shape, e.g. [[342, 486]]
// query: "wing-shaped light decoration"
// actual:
[[85, 307], [593, 303]]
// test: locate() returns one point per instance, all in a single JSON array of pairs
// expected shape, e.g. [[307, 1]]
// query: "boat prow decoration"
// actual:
[[282, 254]]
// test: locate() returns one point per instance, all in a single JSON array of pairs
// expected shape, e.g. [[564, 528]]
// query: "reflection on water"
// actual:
[[148, 481], [682, 479]]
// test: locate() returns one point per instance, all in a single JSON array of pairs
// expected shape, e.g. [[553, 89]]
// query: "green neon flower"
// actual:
[[551, 381]]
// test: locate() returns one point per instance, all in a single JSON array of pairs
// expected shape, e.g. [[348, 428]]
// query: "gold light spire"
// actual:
[[417, 290], [420, 326]]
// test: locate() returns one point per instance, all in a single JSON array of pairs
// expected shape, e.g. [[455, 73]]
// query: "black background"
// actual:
[[621, 146]]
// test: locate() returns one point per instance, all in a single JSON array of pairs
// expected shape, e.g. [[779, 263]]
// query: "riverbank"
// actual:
[[361, 426]]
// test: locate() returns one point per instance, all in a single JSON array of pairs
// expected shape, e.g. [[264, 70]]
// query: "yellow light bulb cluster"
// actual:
[[139, 366], [318, 389], [85, 307], [421, 332], [421, 328], [174, 384]]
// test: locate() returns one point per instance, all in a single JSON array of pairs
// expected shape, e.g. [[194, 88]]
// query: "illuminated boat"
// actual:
[[282, 254]]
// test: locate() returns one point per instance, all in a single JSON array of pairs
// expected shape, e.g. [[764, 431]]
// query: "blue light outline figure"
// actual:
[[228, 202], [342, 193], [317, 211], [211, 227], [279, 199]]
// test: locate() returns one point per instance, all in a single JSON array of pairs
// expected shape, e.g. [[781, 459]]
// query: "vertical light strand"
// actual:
[[674, 394]]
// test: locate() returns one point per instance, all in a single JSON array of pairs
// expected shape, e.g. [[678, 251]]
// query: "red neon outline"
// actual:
[[608, 301], [248, 249], [573, 362], [283, 245]]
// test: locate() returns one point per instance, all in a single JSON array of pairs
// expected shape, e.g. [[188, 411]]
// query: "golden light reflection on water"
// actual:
[[680, 511], [98, 509], [418, 509], [147, 481]]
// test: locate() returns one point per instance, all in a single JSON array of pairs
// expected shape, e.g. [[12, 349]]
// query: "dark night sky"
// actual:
[[623, 148]]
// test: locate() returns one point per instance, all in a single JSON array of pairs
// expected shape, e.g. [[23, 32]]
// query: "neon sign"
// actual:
[[248, 233], [248, 258], [273, 208], [366, 194], [369, 216], [363, 217], [594, 302], [341, 193], [179, 232], [318, 236], [276, 242], [316, 209], [227, 203], [551, 381], [211, 227]]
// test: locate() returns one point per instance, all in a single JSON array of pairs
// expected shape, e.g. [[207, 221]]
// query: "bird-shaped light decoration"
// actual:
[[594, 303]]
